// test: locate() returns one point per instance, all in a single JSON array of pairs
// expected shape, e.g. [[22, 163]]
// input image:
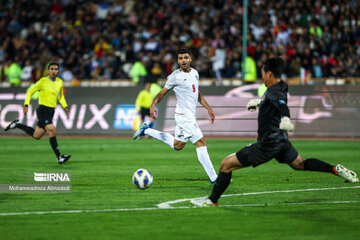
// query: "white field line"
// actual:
[[187, 207], [167, 205], [283, 203]]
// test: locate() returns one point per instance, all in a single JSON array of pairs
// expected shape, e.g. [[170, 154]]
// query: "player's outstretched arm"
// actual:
[[253, 104], [286, 124], [157, 99], [203, 102]]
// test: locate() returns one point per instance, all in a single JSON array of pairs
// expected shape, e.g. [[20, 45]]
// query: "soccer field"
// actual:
[[271, 201]]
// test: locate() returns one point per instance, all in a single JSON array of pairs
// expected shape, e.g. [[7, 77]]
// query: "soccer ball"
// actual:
[[142, 178]]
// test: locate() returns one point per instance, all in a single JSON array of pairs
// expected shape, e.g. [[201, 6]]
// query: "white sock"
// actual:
[[147, 120], [164, 137], [205, 161]]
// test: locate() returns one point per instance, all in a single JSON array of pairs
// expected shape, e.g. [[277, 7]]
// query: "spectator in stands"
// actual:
[[26, 74], [250, 74], [138, 70], [351, 67], [14, 73], [316, 70], [358, 68], [2, 71], [67, 75], [70, 30], [218, 61]]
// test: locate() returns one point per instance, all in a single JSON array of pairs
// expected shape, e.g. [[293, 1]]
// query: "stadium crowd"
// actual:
[[127, 39]]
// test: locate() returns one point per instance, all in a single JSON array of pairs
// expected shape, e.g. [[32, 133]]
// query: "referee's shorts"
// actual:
[[44, 115], [144, 112]]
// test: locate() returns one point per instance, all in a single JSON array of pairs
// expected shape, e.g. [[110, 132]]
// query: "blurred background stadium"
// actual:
[[108, 49]]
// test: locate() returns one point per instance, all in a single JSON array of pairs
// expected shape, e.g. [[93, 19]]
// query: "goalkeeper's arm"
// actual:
[[253, 104], [285, 123]]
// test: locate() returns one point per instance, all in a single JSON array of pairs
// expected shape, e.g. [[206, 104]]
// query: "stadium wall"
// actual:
[[317, 110]]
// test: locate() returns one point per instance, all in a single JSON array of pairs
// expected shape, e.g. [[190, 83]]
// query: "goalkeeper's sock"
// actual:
[[313, 164], [27, 129], [222, 182], [164, 137], [205, 161], [55, 146]]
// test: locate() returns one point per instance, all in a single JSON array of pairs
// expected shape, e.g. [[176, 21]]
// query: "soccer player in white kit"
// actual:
[[185, 83]]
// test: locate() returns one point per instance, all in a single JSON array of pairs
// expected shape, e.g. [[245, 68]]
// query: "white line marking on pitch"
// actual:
[[167, 205], [185, 207], [293, 203], [188, 199]]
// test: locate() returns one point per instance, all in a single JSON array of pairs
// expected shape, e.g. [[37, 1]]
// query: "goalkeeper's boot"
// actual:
[[203, 202], [63, 158], [12, 125], [347, 174], [140, 131]]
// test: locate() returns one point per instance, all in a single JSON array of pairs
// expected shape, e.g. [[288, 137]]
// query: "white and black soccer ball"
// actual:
[[142, 178]]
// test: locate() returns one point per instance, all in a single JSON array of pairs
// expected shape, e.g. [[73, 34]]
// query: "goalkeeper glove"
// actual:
[[286, 125], [253, 104]]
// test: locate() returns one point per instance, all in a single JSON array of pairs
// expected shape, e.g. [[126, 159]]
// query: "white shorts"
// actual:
[[187, 129]]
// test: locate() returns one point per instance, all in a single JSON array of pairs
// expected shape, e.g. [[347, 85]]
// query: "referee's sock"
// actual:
[[222, 182], [55, 146], [27, 129], [313, 164]]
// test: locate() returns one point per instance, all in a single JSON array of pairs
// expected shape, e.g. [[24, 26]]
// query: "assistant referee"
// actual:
[[50, 90], [143, 103]]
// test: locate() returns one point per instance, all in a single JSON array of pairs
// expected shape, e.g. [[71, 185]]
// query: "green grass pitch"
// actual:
[[101, 171]]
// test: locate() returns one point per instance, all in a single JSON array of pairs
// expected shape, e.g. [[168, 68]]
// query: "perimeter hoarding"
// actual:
[[315, 110]]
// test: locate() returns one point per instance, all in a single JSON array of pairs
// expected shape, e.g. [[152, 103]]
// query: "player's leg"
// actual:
[[162, 136], [145, 116], [204, 159], [178, 145], [50, 128], [15, 124], [251, 155], [152, 122], [313, 164], [289, 155], [229, 164], [39, 132]]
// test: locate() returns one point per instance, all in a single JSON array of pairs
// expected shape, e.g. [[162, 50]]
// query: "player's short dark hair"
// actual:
[[52, 64], [184, 50], [274, 65]]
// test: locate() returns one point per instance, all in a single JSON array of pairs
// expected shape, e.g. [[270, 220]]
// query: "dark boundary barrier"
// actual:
[[317, 110]]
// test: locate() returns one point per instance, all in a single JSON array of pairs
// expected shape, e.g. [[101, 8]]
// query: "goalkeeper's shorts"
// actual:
[[256, 153]]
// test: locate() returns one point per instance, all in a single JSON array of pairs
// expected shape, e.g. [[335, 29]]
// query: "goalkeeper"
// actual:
[[274, 123]]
